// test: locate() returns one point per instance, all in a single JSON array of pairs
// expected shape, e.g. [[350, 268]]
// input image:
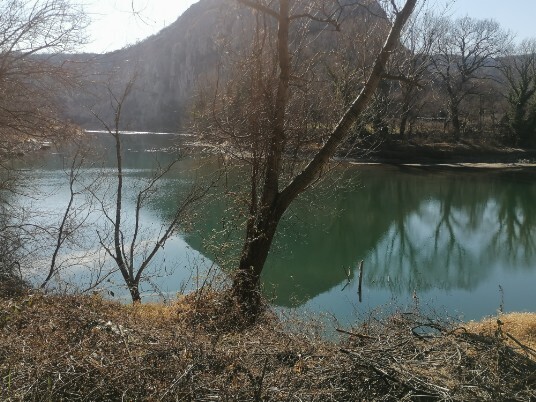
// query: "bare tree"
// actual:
[[465, 51], [124, 250], [410, 66], [348, 60], [519, 71], [32, 34], [74, 218], [259, 125]]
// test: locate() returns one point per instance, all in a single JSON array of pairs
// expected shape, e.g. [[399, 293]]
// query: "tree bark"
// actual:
[[134, 290], [246, 284], [403, 124], [455, 119], [260, 234]]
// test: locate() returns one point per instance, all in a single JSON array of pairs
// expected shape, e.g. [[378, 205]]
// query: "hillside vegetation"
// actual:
[[450, 80]]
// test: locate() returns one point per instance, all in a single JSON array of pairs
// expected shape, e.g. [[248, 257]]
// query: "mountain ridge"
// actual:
[[166, 67]]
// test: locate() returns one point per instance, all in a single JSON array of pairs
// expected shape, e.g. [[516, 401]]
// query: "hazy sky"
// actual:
[[514, 15], [115, 25]]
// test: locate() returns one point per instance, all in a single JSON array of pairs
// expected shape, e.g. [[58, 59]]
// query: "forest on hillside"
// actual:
[[449, 79]]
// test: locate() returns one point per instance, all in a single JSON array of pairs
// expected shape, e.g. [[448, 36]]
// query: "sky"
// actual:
[[518, 16], [114, 25]]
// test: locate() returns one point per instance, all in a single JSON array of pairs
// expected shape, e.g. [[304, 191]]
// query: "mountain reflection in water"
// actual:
[[444, 234]]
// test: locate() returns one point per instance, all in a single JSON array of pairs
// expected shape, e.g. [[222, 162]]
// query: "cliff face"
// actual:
[[165, 66]]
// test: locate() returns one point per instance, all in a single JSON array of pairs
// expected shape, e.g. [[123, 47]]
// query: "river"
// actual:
[[458, 241]]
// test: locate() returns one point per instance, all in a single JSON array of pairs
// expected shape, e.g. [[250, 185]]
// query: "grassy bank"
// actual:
[[55, 348]]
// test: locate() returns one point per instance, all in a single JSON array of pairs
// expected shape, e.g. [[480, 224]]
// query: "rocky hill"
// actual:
[[166, 67]]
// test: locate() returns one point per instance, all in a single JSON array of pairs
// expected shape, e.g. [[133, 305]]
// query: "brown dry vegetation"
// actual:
[[514, 327], [19, 144], [438, 152], [83, 348]]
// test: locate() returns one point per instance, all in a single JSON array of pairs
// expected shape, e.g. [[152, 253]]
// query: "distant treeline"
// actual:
[[451, 79]]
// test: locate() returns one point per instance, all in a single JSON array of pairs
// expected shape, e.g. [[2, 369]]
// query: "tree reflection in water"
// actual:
[[416, 229], [433, 231]]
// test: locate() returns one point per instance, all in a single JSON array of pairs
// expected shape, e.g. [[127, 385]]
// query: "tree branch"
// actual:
[[402, 78], [260, 7], [350, 117]]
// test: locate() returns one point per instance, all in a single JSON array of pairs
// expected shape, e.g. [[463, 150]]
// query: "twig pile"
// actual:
[[417, 358], [87, 349]]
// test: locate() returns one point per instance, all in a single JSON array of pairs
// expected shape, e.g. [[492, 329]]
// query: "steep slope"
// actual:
[[166, 68]]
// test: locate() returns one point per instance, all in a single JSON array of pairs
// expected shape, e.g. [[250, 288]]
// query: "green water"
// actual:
[[453, 239], [449, 237]]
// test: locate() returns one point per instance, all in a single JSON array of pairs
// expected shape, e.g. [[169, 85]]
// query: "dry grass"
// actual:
[[77, 348], [422, 358], [520, 326]]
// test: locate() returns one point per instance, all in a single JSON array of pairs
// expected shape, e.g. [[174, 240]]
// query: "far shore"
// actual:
[[442, 155], [448, 155], [476, 165]]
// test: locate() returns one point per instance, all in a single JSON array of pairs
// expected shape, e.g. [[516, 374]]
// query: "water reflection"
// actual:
[[83, 260], [416, 230], [430, 231], [140, 151], [451, 235]]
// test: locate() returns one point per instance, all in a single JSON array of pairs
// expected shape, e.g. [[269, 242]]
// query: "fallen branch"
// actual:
[[527, 349], [362, 336], [386, 376]]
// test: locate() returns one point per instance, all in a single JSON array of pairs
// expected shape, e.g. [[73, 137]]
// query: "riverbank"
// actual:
[[465, 153], [87, 348], [468, 154], [17, 145]]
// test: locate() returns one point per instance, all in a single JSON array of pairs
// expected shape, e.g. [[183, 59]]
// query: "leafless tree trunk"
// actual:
[[124, 251], [276, 196]]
